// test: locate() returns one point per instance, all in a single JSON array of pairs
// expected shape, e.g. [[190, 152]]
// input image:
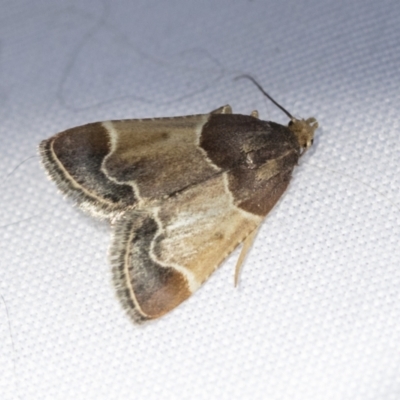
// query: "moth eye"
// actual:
[[290, 123], [312, 141]]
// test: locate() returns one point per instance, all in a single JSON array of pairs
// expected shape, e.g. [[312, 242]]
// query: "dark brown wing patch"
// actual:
[[147, 289], [73, 158]]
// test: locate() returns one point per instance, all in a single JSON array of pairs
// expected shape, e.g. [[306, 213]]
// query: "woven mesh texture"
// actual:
[[317, 311]]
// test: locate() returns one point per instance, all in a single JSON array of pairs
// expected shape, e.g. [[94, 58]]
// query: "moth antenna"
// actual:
[[264, 93]]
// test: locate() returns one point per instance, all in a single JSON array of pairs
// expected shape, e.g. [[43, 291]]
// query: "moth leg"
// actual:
[[227, 109], [254, 114], [313, 122], [245, 249]]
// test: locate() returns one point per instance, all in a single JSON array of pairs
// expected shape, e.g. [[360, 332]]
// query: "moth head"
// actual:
[[303, 130]]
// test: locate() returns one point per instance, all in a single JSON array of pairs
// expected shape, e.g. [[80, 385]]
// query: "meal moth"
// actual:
[[181, 193]]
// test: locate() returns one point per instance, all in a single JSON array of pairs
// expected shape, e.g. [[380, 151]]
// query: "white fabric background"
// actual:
[[317, 313]]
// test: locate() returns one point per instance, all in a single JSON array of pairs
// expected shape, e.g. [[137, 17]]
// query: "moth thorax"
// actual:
[[304, 130]]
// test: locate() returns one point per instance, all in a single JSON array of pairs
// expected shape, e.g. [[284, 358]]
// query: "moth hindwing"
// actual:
[[181, 193]]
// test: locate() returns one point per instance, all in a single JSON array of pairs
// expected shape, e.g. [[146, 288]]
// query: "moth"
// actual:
[[181, 193]]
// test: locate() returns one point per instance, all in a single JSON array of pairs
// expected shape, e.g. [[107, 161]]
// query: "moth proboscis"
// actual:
[[181, 193]]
